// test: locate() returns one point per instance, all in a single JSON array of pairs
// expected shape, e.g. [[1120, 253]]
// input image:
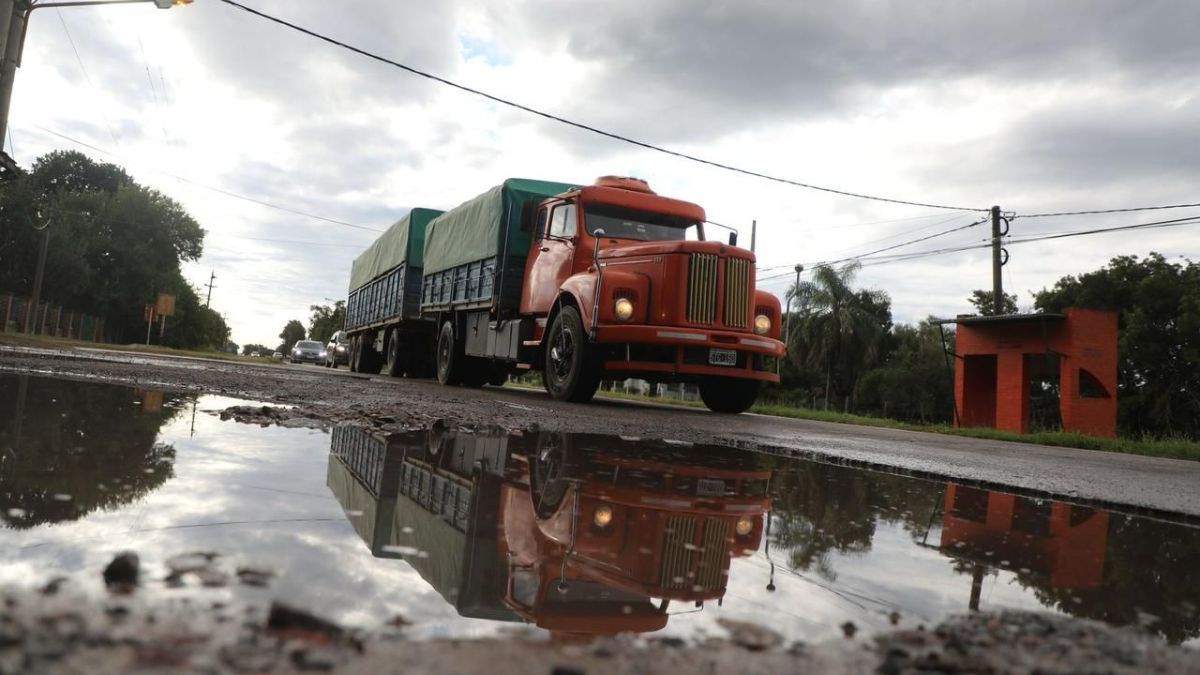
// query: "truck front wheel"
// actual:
[[570, 372], [729, 394]]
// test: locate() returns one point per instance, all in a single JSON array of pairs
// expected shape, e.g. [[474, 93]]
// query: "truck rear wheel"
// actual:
[[392, 364], [353, 360], [368, 359], [449, 356], [729, 394], [571, 373]]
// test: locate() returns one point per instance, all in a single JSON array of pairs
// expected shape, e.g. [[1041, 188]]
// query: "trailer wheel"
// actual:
[[449, 355], [392, 365], [571, 372], [353, 360], [729, 394]]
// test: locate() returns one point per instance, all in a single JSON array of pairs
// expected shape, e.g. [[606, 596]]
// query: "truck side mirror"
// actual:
[[733, 238]]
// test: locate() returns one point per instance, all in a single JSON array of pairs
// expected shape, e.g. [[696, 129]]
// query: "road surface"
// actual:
[[1145, 484]]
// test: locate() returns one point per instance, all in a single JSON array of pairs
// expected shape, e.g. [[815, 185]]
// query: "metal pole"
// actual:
[[13, 16], [38, 276], [753, 234], [997, 286]]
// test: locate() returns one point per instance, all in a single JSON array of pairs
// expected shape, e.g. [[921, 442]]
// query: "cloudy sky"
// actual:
[[1030, 105]]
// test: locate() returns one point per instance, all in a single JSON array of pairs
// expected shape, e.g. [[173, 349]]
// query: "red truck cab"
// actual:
[[622, 282]]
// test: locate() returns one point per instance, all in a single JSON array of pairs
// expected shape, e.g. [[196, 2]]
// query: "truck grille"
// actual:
[[712, 555], [702, 288], [737, 292], [676, 553], [681, 555]]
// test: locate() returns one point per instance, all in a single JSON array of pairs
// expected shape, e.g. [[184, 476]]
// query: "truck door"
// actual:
[[550, 260]]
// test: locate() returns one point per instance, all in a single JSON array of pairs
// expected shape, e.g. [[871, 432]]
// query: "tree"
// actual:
[[326, 320], [113, 244], [292, 333], [982, 300], [914, 382], [840, 331], [249, 349], [1158, 305]]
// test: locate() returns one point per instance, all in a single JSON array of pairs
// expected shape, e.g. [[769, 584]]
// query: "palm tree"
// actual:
[[838, 327]]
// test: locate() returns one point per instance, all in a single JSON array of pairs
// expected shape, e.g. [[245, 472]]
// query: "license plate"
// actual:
[[709, 487], [722, 357]]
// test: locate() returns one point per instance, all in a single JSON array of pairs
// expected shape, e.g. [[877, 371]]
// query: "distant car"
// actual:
[[255, 354], [338, 350], [277, 356], [308, 351]]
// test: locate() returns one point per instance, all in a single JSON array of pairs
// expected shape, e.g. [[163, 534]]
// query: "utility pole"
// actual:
[[39, 275], [212, 277], [997, 263], [753, 234]]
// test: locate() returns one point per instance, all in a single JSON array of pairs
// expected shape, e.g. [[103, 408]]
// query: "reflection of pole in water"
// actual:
[[19, 413], [193, 432], [767, 553], [977, 573]]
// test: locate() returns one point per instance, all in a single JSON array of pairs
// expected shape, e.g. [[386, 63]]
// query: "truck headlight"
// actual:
[[623, 309], [744, 525], [762, 324], [602, 516]]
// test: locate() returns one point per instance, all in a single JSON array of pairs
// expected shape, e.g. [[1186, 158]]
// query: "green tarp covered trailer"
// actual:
[[475, 252], [442, 524], [385, 280]]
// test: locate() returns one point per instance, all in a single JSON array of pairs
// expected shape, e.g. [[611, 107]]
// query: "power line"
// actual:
[[889, 248], [579, 125], [915, 255], [218, 190], [1088, 213]]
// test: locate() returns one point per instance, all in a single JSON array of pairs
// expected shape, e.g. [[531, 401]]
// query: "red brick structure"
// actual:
[[998, 355], [1064, 542]]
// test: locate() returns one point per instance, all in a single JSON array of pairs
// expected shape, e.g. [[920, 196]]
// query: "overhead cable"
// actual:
[[580, 125], [1088, 213]]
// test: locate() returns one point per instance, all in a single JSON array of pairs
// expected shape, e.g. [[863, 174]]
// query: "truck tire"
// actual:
[[729, 394], [368, 360], [352, 362], [393, 359], [571, 372], [449, 356]]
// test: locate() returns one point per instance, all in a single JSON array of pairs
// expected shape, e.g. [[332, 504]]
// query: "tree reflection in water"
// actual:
[[68, 449]]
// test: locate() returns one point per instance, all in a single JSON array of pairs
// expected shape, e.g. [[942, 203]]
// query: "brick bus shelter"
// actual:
[[1000, 356]]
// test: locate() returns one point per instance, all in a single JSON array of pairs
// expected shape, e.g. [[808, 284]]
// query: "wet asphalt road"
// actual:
[[1108, 479]]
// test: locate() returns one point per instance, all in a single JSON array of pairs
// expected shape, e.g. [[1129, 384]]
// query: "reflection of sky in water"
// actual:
[[259, 496]]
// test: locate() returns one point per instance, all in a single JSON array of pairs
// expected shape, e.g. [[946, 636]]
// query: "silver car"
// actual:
[[338, 350], [308, 351]]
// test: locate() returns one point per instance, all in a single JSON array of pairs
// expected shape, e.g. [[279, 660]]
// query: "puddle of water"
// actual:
[[472, 534]]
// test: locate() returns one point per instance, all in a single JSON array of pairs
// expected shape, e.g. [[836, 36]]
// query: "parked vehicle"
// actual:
[[582, 283], [308, 351], [278, 356], [337, 350]]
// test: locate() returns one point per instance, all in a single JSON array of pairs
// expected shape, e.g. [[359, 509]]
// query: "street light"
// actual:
[[14, 22]]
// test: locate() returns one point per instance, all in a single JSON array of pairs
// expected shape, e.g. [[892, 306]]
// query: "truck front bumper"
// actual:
[[685, 353]]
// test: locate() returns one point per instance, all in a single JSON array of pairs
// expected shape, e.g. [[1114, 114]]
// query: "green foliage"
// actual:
[[982, 300], [915, 381], [1158, 302], [249, 349], [326, 320], [292, 333], [113, 246], [839, 332]]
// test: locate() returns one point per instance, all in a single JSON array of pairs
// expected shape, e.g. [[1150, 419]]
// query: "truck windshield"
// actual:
[[621, 223]]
